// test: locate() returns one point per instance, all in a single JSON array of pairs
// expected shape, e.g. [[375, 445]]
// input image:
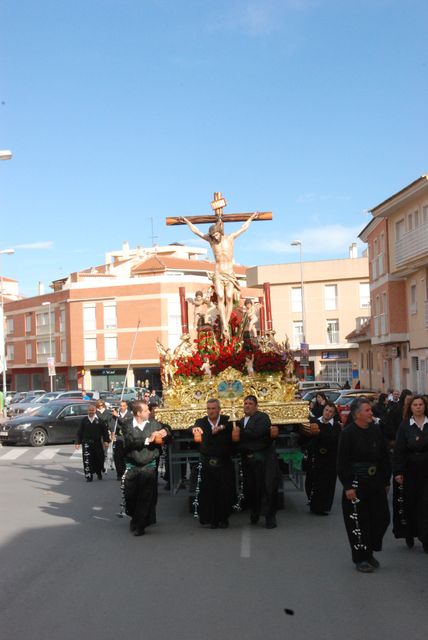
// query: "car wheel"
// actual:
[[38, 438]]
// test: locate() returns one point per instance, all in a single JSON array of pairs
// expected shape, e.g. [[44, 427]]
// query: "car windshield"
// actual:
[[47, 410]]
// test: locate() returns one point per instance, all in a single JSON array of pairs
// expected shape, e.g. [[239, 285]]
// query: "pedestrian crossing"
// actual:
[[57, 455]]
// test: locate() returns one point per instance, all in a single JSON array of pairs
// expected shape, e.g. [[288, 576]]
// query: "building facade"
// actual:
[[395, 350], [335, 292], [97, 321]]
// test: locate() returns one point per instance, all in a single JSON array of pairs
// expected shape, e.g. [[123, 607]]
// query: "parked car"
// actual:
[[332, 394], [318, 384], [18, 406], [343, 402], [54, 422], [129, 394]]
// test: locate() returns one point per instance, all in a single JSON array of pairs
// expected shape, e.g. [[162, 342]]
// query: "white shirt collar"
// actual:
[[413, 421], [137, 425], [92, 418], [331, 421]]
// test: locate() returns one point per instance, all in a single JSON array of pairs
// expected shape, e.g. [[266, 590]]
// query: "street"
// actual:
[[70, 568]]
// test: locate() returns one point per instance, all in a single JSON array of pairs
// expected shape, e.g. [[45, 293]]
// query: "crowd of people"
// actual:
[[382, 443]]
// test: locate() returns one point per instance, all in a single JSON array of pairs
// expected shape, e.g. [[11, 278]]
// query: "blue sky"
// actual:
[[121, 110]]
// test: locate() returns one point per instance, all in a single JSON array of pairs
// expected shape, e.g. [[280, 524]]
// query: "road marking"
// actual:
[[47, 454], [76, 454], [12, 455], [246, 542]]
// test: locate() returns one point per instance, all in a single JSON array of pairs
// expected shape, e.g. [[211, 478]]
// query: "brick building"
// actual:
[[89, 320]]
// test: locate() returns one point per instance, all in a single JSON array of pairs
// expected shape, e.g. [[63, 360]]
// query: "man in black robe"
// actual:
[[140, 478], [363, 468], [215, 491], [91, 434], [259, 463], [119, 418]]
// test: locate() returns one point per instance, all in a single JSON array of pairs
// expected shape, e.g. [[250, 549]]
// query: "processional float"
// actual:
[[223, 355]]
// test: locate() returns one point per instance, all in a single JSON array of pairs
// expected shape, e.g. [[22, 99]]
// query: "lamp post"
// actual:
[[3, 252], [48, 304], [298, 243]]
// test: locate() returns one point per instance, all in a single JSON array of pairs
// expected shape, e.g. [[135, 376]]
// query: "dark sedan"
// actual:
[[54, 422]]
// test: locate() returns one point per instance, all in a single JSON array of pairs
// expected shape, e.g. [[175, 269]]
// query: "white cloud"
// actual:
[[46, 244], [319, 240]]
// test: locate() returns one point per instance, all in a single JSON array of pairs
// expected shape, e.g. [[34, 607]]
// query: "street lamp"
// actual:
[[3, 252], [44, 304], [298, 243]]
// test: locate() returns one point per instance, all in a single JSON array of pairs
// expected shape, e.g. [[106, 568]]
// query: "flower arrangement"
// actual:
[[232, 353]]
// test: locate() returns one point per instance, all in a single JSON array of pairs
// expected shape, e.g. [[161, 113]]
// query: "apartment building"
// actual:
[[394, 349], [335, 292], [88, 323]]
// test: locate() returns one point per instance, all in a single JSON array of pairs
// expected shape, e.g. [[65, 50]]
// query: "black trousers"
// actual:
[[141, 495], [217, 491], [261, 482], [119, 457], [366, 521], [414, 505], [320, 482]]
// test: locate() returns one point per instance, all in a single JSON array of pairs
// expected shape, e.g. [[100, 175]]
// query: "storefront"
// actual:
[[107, 379]]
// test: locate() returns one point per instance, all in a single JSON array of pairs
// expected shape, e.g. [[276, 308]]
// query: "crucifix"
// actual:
[[225, 282]]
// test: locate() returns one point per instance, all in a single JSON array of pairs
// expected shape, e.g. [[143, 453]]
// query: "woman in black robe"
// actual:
[[215, 492], [91, 434], [317, 405], [140, 478], [321, 473], [410, 470]]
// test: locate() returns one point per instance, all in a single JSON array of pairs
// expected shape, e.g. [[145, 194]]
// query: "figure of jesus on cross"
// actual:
[[225, 282]]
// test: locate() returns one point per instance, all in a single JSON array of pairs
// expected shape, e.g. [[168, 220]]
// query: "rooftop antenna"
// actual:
[[152, 228]]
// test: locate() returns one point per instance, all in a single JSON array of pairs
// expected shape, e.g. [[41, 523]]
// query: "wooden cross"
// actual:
[[217, 206]]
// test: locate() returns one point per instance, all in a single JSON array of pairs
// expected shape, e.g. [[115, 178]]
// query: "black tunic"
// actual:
[[118, 448], [217, 481], [140, 478], [363, 465], [410, 503], [321, 473], [91, 435], [259, 465]]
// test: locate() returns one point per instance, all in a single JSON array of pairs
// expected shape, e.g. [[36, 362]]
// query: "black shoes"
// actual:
[[271, 523], [373, 562], [364, 567], [410, 541], [224, 524], [138, 532], [319, 513], [254, 518], [89, 478], [214, 525], [132, 526], [99, 476]]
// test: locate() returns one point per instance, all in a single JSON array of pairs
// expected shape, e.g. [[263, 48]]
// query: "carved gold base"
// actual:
[[185, 401]]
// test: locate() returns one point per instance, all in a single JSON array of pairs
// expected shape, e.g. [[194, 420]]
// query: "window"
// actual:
[[410, 222], [296, 299], [110, 321], [28, 323], [62, 320], [364, 295], [174, 322], [63, 350], [43, 347], [10, 352], [399, 230], [90, 349], [9, 325], [89, 318], [382, 243], [416, 218], [425, 215], [361, 360], [110, 347], [29, 351], [332, 331], [330, 297], [297, 333], [413, 302]]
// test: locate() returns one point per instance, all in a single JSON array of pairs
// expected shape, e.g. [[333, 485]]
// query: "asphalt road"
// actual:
[[70, 568]]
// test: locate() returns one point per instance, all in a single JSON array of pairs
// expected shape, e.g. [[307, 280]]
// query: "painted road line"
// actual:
[[47, 454], [14, 454], [246, 542]]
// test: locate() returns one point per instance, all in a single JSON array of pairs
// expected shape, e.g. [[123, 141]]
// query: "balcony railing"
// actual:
[[412, 245]]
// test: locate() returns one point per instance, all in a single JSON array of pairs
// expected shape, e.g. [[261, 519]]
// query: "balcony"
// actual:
[[412, 245]]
